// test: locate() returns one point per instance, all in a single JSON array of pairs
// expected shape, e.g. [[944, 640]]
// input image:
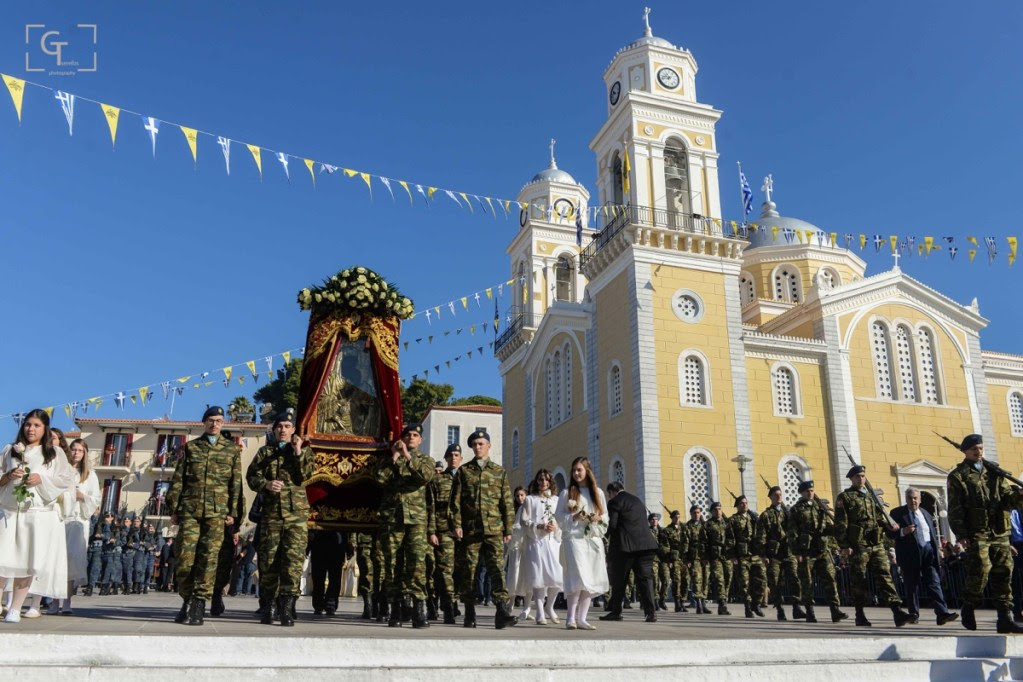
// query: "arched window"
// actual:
[[618, 471], [786, 284], [556, 416], [930, 385], [700, 484], [882, 360], [693, 388], [791, 475], [616, 180], [1016, 413], [747, 289], [549, 395], [907, 368], [676, 181], [827, 279], [564, 279], [559, 479], [567, 384], [786, 399], [515, 449], [614, 390]]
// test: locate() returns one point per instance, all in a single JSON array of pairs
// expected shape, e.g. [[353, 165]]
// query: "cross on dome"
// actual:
[[768, 187], [553, 164], [646, 22]]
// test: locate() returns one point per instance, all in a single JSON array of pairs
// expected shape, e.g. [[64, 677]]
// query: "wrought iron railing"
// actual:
[[619, 217], [515, 326]]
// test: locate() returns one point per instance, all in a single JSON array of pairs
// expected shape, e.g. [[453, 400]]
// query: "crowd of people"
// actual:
[[454, 534]]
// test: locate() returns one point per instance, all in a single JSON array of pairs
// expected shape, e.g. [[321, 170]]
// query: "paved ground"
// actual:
[[152, 614]]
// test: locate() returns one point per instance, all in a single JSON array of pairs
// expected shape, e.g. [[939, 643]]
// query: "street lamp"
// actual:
[[742, 461]]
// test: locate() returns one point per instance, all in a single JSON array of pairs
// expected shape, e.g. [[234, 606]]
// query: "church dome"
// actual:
[[648, 37], [770, 218], [552, 173]]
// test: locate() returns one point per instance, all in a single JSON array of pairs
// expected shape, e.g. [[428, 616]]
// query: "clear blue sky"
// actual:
[[121, 271]]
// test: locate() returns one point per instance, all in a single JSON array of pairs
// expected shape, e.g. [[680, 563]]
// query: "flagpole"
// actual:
[[742, 199]]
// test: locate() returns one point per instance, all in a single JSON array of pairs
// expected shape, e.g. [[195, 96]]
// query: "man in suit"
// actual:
[[916, 552], [631, 547]]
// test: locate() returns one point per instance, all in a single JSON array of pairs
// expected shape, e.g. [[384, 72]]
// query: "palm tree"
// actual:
[[241, 409]]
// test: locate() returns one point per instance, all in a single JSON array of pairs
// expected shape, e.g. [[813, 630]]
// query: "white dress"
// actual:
[[32, 539], [76, 515], [513, 559], [582, 545], [541, 554]]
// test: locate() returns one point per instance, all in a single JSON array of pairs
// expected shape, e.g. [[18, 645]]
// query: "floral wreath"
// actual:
[[357, 290]]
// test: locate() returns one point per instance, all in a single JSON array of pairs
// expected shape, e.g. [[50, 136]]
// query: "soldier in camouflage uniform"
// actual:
[[279, 471], [860, 525], [432, 525], [810, 527], [696, 560], [674, 542], [225, 564], [714, 537], [979, 504], [362, 545], [444, 539], [205, 495], [403, 522], [742, 531], [772, 539], [481, 518], [662, 564], [379, 591]]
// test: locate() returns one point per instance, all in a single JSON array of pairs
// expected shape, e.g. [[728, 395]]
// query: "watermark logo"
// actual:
[[60, 53]]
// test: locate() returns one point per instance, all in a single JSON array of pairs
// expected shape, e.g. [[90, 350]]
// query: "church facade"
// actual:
[[689, 364]]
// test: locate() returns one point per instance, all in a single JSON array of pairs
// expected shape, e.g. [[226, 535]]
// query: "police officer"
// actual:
[[810, 529], [111, 555], [714, 538], [129, 541], [979, 504], [138, 571], [772, 539], [860, 525], [95, 553], [152, 550]]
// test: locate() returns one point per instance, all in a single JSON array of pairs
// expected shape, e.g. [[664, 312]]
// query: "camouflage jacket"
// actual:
[[858, 522], [694, 529], [277, 462], [440, 495], [714, 539], [742, 536], [403, 499], [979, 502], [772, 533], [808, 528], [481, 501], [674, 540], [207, 480]]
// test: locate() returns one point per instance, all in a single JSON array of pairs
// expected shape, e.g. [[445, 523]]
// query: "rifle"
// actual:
[[766, 482], [667, 511], [873, 493], [990, 466]]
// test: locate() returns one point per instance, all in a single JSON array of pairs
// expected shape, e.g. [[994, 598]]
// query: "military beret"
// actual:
[[652, 516], [805, 485], [675, 512], [418, 428], [213, 411], [739, 499], [287, 415], [971, 440], [772, 490], [475, 435], [858, 469], [453, 448], [439, 464], [715, 505], [694, 508]]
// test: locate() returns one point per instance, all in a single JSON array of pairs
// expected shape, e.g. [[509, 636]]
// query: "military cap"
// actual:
[[453, 448], [439, 464], [715, 505], [971, 440], [772, 490], [475, 435], [739, 499], [858, 469], [213, 411], [287, 415], [418, 428], [694, 508], [652, 516], [805, 485]]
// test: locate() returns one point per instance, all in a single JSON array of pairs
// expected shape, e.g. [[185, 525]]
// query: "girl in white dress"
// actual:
[[33, 548], [541, 574], [77, 504], [513, 555], [582, 513]]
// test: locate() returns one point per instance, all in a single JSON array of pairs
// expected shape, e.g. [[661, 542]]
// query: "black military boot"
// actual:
[[145, 589], [406, 609], [293, 608], [757, 610], [967, 617], [662, 605], [374, 607], [266, 605], [810, 616], [797, 611], [861, 618], [749, 610], [367, 610], [196, 611], [284, 611], [702, 606], [1005, 624], [217, 605], [900, 617], [124, 588], [454, 607], [502, 618], [679, 606], [781, 612], [723, 608], [87, 592], [183, 613], [385, 611], [394, 619], [836, 614], [103, 590], [419, 617], [431, 610], [626, 603], [449, 612], [470, 615]]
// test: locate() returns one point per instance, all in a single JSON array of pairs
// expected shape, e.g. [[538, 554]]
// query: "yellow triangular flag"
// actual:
[[99, 403], [16, 87], [465, 302], [490, 294], [287, 357], [112, 114], [1013, 243], [491, 207], [183, 380], [863, 241], [241, 378], [509, 282], [407, 191], [133, 398], [256, 155], [972, 240], [774, 232], [309, 165], [928, 244], [191, 135], [920, 249], [365, 178], [973, 254], [462, 194], [143, 393], [626, 171], [834, 238], [48, 410], [349, 172], [251, 364], [472, 329], [507, 205], [227, 374], [436, 309], [430, 191], [894, 241], [67, 411]]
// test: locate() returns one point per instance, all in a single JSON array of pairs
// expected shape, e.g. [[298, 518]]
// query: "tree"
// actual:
[[476, 400], [420, 395], [241, 409], [282, 392]]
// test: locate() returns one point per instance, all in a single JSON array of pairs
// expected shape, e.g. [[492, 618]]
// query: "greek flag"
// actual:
[[747, 195]]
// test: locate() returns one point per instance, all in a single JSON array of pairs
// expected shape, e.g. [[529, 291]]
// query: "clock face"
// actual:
[[563, 207], [616, 92], [668, 78], [523, 217]]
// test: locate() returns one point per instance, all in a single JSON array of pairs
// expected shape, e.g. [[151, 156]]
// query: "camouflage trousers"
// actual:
[[698, 579], [823, 565], [467, 555], [405, 550], [444, 567], [195, 551], [873, 559], [988, 560], [780, 574], [680, 581], [662, 579], [431, 569], [750, 579], [281, 556], [364, 560], [377, 556], [716, 583], [225, 562]]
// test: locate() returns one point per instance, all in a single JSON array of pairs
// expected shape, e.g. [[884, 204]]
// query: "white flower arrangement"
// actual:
[[357, 290]]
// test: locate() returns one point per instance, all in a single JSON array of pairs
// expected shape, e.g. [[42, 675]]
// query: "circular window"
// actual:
[[687, 305]]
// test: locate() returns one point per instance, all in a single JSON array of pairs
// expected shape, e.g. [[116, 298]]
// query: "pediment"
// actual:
[[921, 467]]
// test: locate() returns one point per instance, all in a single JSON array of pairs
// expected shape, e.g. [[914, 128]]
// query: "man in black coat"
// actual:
[[631, 546], [916, 552]]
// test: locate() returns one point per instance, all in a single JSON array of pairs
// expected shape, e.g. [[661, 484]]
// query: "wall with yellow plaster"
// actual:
[[514, 417], [1010, 447], [565, 441]]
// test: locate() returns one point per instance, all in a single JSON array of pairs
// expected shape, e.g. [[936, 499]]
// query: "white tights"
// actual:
[[551, 593], [578, 607]]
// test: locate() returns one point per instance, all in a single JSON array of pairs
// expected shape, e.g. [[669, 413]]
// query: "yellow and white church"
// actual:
[[688, 364]]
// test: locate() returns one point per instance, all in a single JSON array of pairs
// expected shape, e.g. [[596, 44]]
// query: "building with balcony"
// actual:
[[447, 424], [688, 361]]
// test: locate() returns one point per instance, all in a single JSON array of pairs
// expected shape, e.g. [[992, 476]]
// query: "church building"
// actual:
[[689, 363]]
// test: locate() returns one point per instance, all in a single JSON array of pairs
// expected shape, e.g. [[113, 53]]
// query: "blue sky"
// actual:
[[121, 270]]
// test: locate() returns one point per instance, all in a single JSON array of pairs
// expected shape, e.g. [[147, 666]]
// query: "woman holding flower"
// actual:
[[77, 504], [541, 574], [582, 514], [33, 548]]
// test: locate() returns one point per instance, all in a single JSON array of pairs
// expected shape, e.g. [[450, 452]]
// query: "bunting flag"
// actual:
[[251, 364], [15, 86], [387, 184], [255, 151], [626, 173], [365, 178], [1013, 243], [111, 114], [309, 164], [283, 158], [225, 146], [152, 127], [143, 394], [405, 187], [190, 137], [67, 104], [287, 358]]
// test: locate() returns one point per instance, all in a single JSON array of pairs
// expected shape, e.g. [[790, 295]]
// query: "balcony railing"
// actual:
[[518, 322], [647, 216]]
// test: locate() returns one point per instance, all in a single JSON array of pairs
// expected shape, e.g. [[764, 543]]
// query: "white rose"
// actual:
[[19, 448]]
